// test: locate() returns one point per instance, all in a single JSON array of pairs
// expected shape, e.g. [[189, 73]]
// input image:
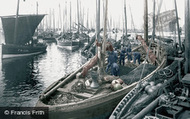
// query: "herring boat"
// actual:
[[68, 44], [71, 96], [68, 41], [23, 44]]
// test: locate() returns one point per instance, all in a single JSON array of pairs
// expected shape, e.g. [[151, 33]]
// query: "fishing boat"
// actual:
[[18, 32], [22, 44], [68, 41], [49, 37]]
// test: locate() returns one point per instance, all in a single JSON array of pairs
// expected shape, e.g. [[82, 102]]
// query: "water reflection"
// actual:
[[23, 79]]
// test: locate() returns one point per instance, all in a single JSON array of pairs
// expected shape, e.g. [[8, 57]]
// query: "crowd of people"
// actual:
[[113, 58]]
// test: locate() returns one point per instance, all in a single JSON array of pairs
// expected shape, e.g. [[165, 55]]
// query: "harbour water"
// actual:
[[23, 79]]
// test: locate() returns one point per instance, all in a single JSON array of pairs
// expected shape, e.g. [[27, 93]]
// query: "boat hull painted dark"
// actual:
[[12, 51]]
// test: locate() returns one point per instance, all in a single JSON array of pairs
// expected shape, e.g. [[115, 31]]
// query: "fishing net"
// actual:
[[62, 98], [135, 74], [78, 87]]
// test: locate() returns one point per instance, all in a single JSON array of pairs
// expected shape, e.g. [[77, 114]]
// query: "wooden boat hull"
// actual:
[[94, 107], [69, 45], [13, 51]]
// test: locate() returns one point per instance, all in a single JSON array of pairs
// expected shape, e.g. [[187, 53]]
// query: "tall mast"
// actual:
[[87, 24], [66, 17], [37, 14], [50, 25], [70, 17], [97, 35], [97, 19], [16, 22], [187, 36], [60, 23], [78, 15], [53, 20], [47, 25], [146, 21], [153, 32], [132, 21], [104, 35], [179, 38], [37, 8], [125, 14], [83, 19]]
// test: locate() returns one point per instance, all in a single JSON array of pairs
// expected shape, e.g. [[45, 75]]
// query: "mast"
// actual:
[[125, 18], [146, 21], [153, 32], [122, 40], [97, 35], [60, 16], [53, 20], [65, 16], [97, 19], [16, 22], [187, 36], [104, 35], [83, 20], [37, 8], [179, 38], [37, 14], [50, 25], [78, 15], [70, 17], [87, 24], [156, 23], [132, 21]]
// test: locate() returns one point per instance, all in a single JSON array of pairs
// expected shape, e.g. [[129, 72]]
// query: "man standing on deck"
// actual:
[[137, 56], [115, 69], [122, 57], [116, 54], [129, 53], [111, 60]]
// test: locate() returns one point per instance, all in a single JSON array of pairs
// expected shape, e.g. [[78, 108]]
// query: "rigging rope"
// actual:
[[149, 44]]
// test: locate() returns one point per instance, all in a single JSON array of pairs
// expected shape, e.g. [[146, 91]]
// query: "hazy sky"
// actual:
[[115, 9]]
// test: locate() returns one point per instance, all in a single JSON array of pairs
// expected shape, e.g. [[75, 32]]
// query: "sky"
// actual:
[[88, 10]]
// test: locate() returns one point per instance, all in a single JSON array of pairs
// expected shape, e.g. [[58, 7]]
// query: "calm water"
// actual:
[[23, 79]]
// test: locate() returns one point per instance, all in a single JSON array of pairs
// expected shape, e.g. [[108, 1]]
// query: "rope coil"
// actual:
[[166, 73]]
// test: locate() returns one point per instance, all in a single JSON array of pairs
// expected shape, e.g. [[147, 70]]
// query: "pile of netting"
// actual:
[[78, 87], [62, 98], [135, 74]]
